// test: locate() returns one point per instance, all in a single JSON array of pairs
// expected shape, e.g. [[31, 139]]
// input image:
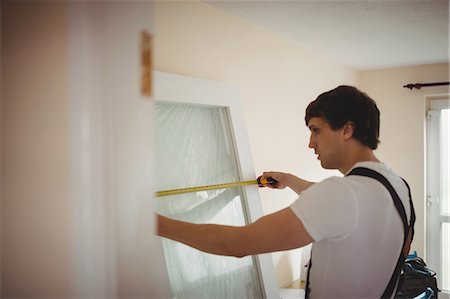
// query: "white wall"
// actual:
[[402, 129], [276, 79]]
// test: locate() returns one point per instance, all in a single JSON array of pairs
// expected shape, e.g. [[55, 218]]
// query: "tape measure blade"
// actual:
[[204, 188]]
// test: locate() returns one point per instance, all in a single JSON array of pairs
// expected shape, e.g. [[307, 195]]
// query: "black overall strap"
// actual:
[[362, 171], [413, 213], [307, 288]]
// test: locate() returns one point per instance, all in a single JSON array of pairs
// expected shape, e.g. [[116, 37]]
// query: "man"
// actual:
[[352, 221]]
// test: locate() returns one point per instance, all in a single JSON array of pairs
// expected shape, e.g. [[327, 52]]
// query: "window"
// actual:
[[438, 196]]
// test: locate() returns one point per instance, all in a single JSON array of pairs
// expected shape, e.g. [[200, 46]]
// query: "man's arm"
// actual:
[[275, 232], [287, 180]]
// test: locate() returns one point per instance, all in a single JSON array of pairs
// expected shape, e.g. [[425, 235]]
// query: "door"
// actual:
[[199, 133], [438, 186]]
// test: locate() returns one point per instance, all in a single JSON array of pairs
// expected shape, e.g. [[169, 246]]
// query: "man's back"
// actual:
[[357, 231]]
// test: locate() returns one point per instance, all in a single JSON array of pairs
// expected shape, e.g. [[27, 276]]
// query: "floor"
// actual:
[[292, 293], [294, 290]]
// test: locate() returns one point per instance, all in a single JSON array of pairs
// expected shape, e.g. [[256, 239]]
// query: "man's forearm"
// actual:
[[297, 184], [211, 238]]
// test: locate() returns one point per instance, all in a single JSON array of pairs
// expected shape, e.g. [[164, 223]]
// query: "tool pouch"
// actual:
[[417, 281]]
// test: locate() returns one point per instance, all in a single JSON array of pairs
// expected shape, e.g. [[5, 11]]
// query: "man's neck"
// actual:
[[355, 155]]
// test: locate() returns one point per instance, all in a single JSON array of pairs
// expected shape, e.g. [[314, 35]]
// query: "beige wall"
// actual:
[[403, 125], [36, 211], [276, 79]]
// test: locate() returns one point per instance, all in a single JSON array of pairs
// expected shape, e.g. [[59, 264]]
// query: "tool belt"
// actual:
[[417, 281]]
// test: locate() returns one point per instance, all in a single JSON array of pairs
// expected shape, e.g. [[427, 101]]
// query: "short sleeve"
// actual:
[[327, 209]]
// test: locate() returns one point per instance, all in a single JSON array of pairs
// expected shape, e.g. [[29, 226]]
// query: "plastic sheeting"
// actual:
[[194, 147]]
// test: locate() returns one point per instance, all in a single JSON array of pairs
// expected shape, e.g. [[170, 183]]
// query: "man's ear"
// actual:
[[348, 130]]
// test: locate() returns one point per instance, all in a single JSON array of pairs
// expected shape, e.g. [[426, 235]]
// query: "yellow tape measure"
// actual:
[[204, 188], [213, 187]]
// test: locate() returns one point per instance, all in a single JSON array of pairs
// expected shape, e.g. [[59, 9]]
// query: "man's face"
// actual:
[[328, 144]]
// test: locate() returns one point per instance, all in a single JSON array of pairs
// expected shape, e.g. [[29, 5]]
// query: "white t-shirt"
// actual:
[[357, 231]]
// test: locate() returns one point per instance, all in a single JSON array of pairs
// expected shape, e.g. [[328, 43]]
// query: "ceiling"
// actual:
[[364, 34]]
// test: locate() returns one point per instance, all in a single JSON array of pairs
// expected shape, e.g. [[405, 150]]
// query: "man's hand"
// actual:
[[286, 180], [279, 177]]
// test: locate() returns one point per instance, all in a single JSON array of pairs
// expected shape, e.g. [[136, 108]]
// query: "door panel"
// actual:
[[201, 140]]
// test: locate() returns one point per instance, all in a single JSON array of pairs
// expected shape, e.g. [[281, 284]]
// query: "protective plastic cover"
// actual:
[[194, 147]]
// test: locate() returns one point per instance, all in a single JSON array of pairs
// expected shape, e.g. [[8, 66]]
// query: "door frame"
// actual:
[[114, 246], [434, 218]]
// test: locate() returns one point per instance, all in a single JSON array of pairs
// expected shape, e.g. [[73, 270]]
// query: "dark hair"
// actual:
[[347, 104]]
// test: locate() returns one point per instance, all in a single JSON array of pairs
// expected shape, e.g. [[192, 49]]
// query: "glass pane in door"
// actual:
[[194, 147]]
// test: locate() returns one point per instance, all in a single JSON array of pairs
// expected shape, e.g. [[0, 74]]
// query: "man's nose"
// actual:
[[311, 142]]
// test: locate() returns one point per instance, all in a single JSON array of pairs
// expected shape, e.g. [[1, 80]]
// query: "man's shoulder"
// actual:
[[334, 185], [379, 167]]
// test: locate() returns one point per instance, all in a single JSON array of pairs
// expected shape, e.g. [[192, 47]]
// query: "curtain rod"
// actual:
[[420, 85]]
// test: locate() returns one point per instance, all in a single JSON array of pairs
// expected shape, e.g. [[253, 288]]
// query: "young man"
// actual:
[[352, 221]]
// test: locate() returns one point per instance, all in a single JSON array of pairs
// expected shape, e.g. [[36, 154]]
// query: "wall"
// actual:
[[36, 212], [276, 79], [402, 130]]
